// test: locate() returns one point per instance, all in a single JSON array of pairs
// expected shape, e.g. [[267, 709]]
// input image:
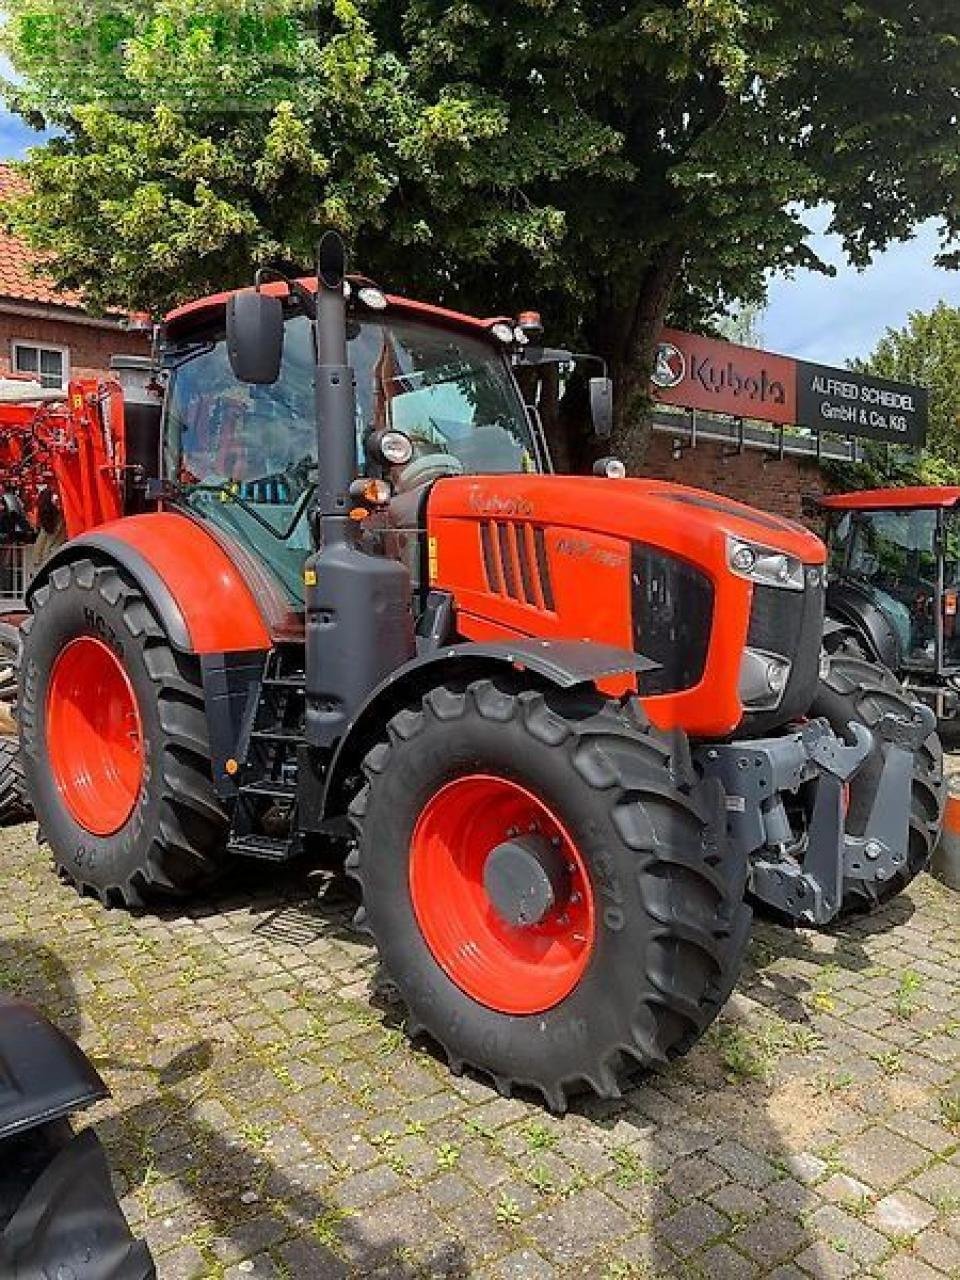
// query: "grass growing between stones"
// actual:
[[950, 1110], [908, 989]]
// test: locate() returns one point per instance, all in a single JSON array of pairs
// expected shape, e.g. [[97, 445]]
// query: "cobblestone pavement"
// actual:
[[269, 1119]]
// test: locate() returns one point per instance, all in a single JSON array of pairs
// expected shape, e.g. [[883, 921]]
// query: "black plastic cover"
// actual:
[[359, 630], [43, 1075], [69, 1224], [672, 606]]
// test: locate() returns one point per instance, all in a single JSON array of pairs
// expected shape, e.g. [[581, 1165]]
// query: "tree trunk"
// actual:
[[633, 359], [625, 337]]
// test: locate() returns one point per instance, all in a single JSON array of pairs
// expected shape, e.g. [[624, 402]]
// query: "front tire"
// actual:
[[114, 742], [854, 689], [637, 932]]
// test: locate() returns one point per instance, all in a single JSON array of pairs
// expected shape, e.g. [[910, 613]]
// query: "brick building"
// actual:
[[45, 333]]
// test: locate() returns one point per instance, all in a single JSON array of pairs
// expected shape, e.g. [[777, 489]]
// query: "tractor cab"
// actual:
[[436, 383], [894, 581]]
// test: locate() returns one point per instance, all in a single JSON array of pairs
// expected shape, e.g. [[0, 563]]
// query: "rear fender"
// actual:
[[43, 1075], [201, 594], [561, 664]]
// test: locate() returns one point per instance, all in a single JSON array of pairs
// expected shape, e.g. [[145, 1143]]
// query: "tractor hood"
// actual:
[[690, 520], [686, 578]]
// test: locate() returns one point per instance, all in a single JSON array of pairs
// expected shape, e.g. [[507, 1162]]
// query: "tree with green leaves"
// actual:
[[926, 352], [614, 163]]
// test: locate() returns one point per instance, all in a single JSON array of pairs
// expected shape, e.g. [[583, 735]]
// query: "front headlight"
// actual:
[[764, 565], [763, 679]]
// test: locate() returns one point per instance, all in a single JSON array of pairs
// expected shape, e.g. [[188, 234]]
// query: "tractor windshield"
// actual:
[[245, 456], [951, 589], [892, 556]]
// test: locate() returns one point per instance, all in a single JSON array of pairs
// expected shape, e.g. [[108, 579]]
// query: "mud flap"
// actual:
[[43, 1075], [70, 1224]]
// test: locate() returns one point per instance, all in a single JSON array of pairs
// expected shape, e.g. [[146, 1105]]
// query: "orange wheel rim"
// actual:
[[509, 967], [94, 736]]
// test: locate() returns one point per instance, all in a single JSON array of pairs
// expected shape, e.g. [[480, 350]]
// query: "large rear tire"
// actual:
[[14, 804], [854, 689], [544, 971], [115, 744]]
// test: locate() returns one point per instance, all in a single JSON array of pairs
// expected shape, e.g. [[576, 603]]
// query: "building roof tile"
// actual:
[[21, 275]]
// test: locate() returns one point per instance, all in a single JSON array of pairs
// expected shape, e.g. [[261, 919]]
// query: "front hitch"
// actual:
[[803, 873]]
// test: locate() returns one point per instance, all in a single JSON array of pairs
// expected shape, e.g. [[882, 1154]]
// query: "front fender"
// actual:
[[43, 1075], [561, 664]]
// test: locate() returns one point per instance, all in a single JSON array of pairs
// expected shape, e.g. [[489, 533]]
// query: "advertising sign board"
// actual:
[[859, 404], [694, 372]]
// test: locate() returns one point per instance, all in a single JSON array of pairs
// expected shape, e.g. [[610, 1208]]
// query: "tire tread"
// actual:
[[190, 835]]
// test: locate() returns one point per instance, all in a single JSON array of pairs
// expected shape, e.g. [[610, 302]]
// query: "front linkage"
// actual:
[[808, 874]]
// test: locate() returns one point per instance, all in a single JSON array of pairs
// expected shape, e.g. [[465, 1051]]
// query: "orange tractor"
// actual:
[[566, 725]]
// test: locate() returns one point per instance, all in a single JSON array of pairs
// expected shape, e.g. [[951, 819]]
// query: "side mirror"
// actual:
[[601, 407], [255, 336]]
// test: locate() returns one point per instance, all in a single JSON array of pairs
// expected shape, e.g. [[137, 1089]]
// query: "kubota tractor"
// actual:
[[893, 594], [566, 723]]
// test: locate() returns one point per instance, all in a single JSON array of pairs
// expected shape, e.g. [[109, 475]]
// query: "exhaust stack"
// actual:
[[358, 607]]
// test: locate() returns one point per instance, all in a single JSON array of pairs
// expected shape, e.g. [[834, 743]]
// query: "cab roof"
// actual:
[[198, 314], [944, 495]]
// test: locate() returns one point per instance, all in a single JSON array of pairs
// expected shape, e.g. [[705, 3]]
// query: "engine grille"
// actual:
[[672, 619], [516, 564], [790, 624]]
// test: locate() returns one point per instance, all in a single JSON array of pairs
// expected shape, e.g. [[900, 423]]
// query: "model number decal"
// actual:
[[582, 549]]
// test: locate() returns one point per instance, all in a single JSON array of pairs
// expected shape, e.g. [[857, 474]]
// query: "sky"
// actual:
[[828, 320]]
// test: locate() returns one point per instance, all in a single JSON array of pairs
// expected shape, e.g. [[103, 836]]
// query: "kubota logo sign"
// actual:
[[669, 366], [693, 372], [721, 377]]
